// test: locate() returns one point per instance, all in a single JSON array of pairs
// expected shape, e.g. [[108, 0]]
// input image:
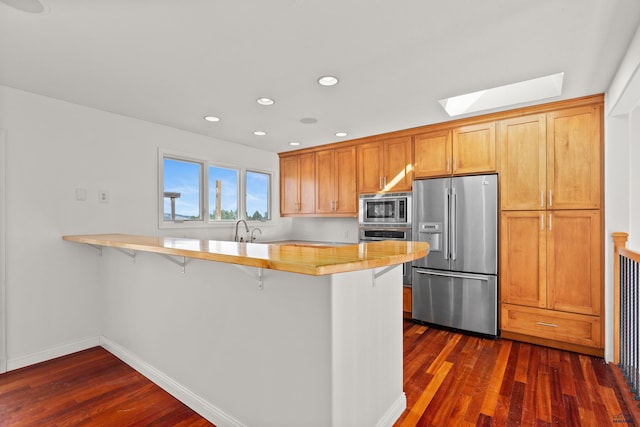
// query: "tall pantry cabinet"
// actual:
[[551, 283]]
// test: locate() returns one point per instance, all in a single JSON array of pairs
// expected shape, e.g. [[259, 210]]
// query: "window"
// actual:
[[223, 193], [182, 190], [200, 192], [257, 196]]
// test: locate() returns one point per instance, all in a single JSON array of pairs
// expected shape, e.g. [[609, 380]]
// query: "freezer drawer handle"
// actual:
[[551, 325], [457, 276]]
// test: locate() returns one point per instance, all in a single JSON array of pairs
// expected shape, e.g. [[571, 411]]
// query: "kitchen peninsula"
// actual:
[[267, 334]]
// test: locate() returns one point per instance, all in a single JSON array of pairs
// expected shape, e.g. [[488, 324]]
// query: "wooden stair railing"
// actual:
[[626, 323]]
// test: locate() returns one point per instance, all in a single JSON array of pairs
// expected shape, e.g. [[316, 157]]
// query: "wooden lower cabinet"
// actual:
[[406, 301], [551, 281], [569, 331]]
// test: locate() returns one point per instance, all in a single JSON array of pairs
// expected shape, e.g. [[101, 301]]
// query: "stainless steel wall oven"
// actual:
[[372, 233]]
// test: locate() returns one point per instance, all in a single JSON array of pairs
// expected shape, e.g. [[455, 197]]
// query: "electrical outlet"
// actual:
[[103, 196]]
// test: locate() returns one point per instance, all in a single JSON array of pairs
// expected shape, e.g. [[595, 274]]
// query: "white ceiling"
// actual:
[[173, 62]]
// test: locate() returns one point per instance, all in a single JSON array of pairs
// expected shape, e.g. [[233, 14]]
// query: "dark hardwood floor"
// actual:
[[450, 380], [88, 388]]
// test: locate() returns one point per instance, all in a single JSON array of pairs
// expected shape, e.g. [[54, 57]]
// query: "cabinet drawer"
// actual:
[[554, 325]]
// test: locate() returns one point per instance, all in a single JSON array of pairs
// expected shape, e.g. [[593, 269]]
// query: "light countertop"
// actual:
[[293, 256]]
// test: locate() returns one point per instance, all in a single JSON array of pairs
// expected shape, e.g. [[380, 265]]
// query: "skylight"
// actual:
[[503, 96]]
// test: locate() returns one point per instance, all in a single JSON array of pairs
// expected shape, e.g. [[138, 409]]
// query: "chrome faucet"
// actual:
[[253, 231], [235, 238]]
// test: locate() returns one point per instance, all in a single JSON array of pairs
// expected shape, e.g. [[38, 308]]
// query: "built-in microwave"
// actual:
[[388, 208]]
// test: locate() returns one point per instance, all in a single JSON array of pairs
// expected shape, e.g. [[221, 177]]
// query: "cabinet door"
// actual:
[[523, 264], [346, 195], [325, 178], [307, 183], [397, 164], [474, 148], [432, 152], [574, 261], [523, 163], [574, 158], [370, 167], [289, 185]]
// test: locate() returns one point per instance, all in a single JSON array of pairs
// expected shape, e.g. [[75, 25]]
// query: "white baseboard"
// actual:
[[394, 412], [183, 394], [42, 356]]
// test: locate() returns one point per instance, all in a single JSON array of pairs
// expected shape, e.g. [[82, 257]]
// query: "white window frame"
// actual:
[[206, 222]]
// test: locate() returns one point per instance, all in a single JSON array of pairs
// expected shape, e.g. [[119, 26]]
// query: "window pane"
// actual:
[[257, 197], [182, 196], [223, 194]]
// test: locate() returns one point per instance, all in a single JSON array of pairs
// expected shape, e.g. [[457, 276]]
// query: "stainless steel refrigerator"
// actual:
[[456, 284]]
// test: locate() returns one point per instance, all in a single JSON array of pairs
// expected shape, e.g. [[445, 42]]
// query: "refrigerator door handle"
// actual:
[[445, 232], [483, 278], [454, 219]]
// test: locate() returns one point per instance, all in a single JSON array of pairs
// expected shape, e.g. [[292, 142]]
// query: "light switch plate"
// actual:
[[81, 194]]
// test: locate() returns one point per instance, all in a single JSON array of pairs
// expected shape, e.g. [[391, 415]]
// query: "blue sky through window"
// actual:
[[257, 198], [228, 179], [184, 178]]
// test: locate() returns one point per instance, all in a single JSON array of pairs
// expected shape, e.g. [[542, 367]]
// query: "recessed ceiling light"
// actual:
[[308, 120], [503, 96], [265, 101], [341, 134], [295, 144], [259, 133], [212, 118], [328, 81]]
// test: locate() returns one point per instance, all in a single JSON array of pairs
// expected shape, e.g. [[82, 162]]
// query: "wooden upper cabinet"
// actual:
[[346, 190], [398, 164], [325, 178], [385, 166], [574, 158], [370, 167], [474, 148], [574, 261], [463, 150], [523, 163], [432, 154], [289, 185], [336, 182], [297, 184], [523, 258]]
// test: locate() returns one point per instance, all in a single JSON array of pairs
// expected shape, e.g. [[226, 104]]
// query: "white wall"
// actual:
[[326, 229], [52, 148], [622, 174], [634, 180], [3, 269]]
